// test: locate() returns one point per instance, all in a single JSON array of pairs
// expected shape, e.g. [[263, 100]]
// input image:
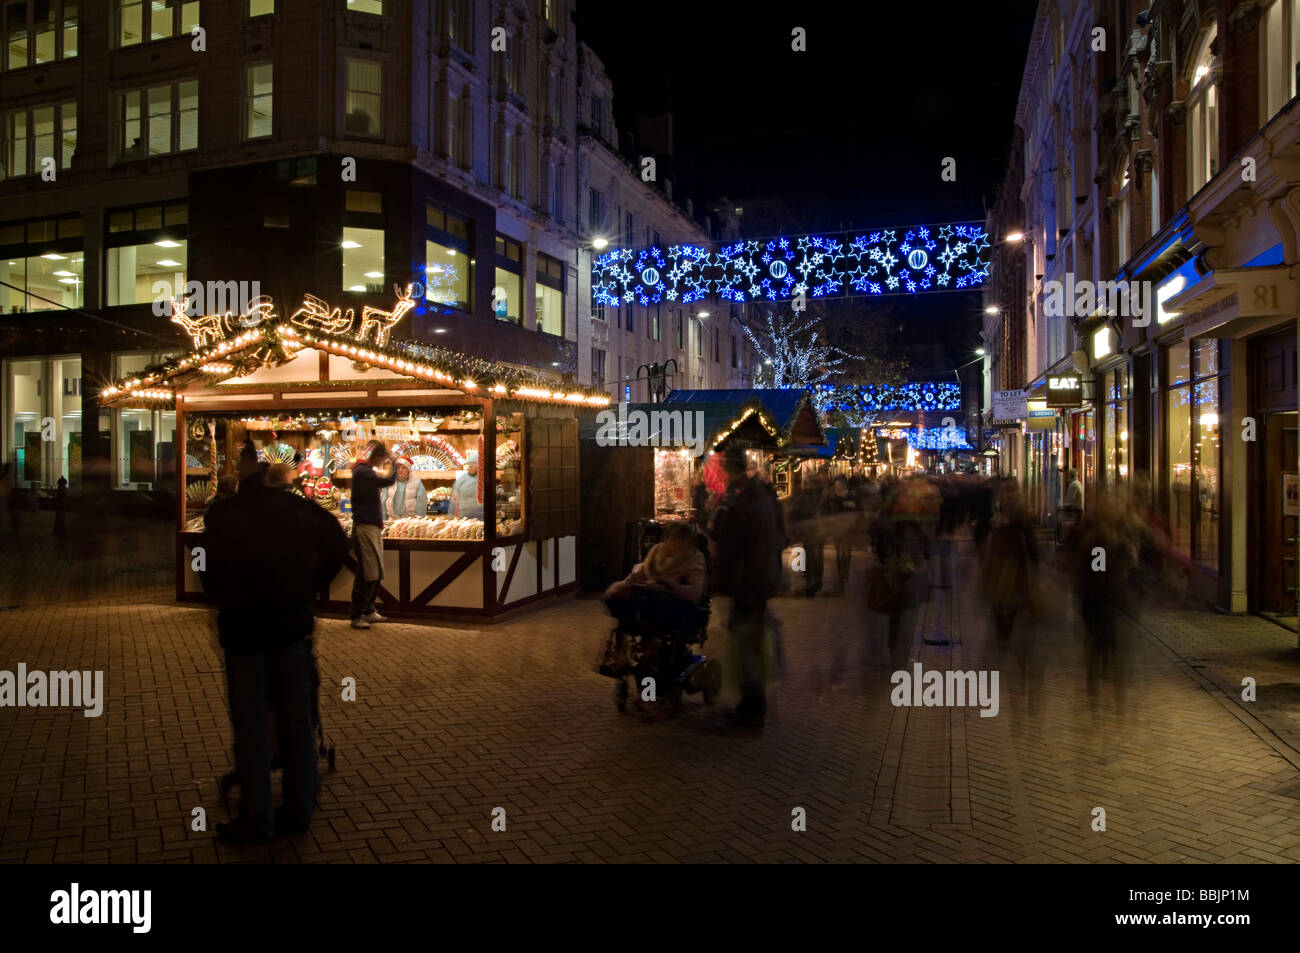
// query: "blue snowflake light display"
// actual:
[[937, 438], [884, 262], [877, 398]]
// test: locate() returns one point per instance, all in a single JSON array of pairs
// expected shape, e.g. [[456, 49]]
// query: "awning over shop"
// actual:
[[1233, 302]]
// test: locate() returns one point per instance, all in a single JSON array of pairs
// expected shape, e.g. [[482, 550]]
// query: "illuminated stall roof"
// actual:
[[259, 349], [787, 412]]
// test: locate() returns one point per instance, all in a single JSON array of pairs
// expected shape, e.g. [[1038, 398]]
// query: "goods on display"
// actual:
[[440, 450], [200, 492], [421, 527]]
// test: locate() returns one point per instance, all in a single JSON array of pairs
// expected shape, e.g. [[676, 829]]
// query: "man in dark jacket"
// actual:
[[748, 549], [269, 553], [367, 533]]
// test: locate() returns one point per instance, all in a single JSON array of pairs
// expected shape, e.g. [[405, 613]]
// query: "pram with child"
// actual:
[[663, 612]]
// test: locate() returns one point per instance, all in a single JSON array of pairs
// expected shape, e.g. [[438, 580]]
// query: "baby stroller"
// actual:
[[230, 780], [654, 638]]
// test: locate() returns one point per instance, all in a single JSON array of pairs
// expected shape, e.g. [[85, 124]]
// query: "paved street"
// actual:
[[452, 722]]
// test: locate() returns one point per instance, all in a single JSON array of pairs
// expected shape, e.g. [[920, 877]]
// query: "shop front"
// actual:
[[485, 521], [1229, 399]]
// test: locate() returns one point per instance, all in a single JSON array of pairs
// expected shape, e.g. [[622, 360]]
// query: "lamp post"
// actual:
[[656, 377]]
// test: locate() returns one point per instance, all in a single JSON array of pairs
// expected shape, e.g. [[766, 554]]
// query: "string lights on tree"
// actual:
[[793, 352]]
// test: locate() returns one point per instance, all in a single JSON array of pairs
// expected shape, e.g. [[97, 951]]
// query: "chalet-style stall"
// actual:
[[779, 428], [309, 393], [642, 469]]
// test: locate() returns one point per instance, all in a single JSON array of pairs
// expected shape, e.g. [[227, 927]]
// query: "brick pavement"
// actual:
[[451, 722]]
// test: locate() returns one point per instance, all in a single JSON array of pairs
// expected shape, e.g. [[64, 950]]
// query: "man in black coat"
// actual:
[[269, 553], [746, 534]]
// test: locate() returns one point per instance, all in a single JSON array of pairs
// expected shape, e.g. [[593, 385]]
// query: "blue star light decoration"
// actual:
[[878, 398], [897, 261]]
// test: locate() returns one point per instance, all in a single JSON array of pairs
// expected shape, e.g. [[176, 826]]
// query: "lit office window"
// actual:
[[550, 295], [508, 291], [257, 101], [364, 98], [1202, 120], [157, 120], [29, 137], [448, 268], [363, 259], [139, 21]]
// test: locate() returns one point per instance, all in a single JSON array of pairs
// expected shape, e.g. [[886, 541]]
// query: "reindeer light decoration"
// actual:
[[315, 315], [383, 321], [209, 328]]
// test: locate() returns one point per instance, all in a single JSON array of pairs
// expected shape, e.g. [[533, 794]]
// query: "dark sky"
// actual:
[[851, 133], [854, 130]]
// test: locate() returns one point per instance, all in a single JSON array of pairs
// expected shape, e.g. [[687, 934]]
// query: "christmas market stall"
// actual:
[[485, 521], [779, 428], [663, 456]]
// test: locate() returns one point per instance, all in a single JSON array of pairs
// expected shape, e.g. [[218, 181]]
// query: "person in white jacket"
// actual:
[[406, 497], [464, 492]]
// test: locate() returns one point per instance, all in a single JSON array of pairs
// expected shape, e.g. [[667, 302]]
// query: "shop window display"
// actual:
[[1193, 449], [509, 475], [442, 498]]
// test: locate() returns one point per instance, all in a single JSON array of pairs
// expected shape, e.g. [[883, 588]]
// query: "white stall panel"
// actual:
[[524, 583], [568, 560]]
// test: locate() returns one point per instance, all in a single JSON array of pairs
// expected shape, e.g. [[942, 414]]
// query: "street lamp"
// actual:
[[979, 351], [1015, 237], [991, 309], [600, 244]]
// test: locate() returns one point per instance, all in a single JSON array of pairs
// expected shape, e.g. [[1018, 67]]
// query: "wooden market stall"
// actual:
[[655, 468], [310, 395]]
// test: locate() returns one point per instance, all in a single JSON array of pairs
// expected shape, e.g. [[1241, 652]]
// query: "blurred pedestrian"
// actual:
[[1071, 509], [1010, 563], [61, 508], [1107, 562], [890, 581], [266, 597], [808, 528], [843, 517], [699, 499], [748, 560]]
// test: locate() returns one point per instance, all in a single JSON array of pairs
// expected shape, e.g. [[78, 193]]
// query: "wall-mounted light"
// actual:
[[600, 244]]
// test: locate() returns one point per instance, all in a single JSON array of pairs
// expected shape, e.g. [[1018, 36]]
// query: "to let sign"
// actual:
[[1009, 406], [1064, 390]]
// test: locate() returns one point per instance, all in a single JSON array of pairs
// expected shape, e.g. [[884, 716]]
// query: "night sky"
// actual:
[[852, 132]]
